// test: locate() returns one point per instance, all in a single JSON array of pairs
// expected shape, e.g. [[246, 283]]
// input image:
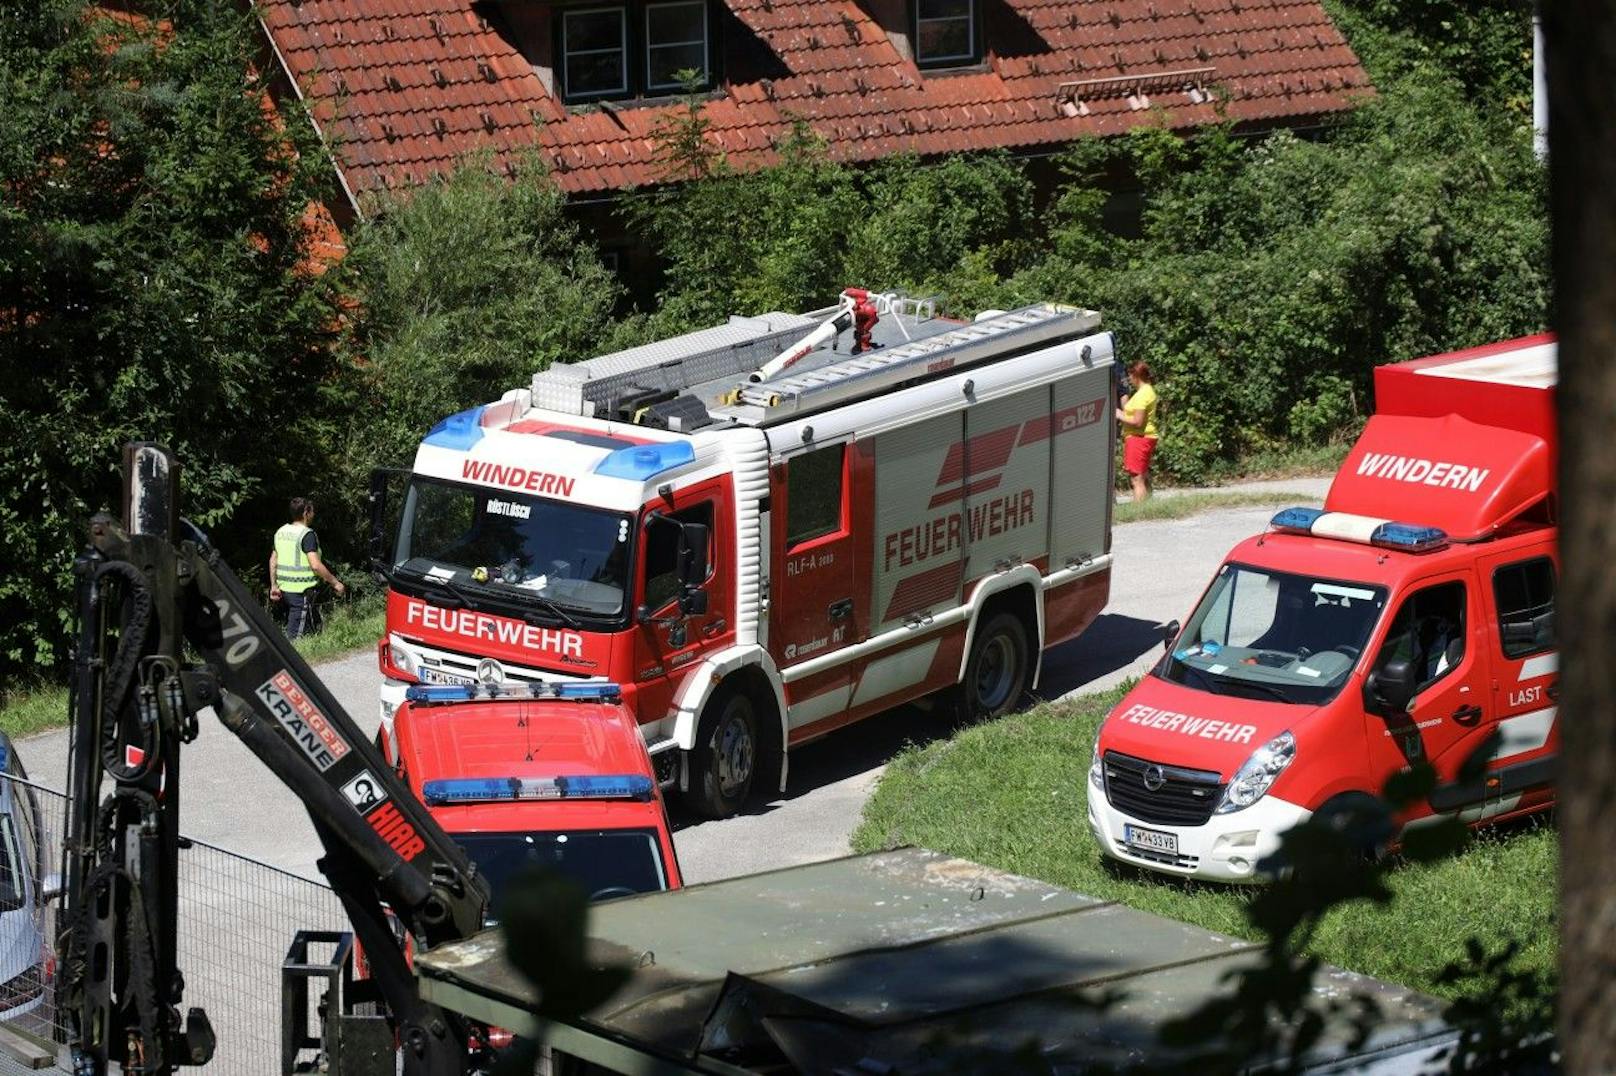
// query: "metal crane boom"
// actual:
[[147, 587]]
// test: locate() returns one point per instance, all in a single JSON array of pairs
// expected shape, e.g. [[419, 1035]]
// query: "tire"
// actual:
[[1362, 822], [997, 672], [723, 764]]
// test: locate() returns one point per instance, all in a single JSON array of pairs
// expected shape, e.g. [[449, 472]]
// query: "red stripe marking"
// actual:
[[924, 589], [988, 451], [960, 493]]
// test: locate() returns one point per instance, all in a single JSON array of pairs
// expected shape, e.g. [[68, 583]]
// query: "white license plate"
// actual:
[[433, 676], [1151, 840]]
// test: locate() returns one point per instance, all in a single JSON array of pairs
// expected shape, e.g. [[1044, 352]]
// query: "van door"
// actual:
[[1439, 626], [1520, 593], [814, 607]]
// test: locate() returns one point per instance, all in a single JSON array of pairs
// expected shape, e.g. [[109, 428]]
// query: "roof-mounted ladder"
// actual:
[[860, 376]]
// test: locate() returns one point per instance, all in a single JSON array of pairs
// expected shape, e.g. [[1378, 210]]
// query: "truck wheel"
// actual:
[[996, 674], [724, 760]]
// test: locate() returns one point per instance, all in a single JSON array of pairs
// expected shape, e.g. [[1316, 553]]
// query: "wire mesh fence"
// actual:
[[237, 916]]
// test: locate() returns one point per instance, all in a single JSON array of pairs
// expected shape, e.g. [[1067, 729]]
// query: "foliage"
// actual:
[[154, 284], [463, 290], [1485, 44], [1271, 276], [791, 236]]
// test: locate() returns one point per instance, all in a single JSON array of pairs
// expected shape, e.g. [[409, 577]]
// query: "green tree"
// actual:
[[154, 283], [463, 290], [1272, 276]]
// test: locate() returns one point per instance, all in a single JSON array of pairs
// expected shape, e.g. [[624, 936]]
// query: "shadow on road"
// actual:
[[1112, 642]]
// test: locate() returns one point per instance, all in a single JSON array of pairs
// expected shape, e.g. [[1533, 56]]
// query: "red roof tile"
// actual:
[[405, 88]]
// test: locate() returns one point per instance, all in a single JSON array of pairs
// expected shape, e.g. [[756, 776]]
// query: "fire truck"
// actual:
[[761, 536], [1411, 620]]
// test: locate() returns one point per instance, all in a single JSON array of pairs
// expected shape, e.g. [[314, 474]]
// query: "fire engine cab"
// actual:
[[763, 532], [524, 775], [1408, 621]]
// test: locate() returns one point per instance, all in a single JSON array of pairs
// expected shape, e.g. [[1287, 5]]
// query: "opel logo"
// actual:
[[490, 671], [1154, 778]]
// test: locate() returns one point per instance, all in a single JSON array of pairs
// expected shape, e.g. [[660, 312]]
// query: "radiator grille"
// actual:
[[1185, 798]]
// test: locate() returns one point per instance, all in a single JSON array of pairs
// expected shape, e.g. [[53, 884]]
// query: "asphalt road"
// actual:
[[231, 801]]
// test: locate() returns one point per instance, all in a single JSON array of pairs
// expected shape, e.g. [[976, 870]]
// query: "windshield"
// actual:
[[1273, 635], [606, 863], [508, 546], [12, 895]]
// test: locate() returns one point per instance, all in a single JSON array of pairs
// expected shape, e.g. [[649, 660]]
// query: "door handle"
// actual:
[[1467, 715], [1554, 691], [841, 610]]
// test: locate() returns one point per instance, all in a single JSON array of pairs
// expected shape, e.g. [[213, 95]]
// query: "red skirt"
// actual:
[[1136, 453]]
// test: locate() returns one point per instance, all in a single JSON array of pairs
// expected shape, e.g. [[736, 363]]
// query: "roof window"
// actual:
[[627, 50], [946, 33]]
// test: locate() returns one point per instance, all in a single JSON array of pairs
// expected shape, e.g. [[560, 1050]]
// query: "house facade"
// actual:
[[404, 89]]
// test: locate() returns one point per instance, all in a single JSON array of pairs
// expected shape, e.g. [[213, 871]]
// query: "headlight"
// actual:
[[1096, 774], [1257, 773], [404, 659]]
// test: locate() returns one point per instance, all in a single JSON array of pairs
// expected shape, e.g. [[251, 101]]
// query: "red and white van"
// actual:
[[1408, 621]]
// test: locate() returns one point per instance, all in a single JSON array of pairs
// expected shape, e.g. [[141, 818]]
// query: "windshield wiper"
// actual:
[[1206, 677], [560, 613], [1257, 685]]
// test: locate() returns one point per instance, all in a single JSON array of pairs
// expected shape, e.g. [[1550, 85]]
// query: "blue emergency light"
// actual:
[[463, 790], [644, 462], [1409, 537], [1385, 533], [582, 691], [459, 431]]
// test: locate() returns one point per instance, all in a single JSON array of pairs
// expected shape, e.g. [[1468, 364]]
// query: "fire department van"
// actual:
[[1408, 621], [764, 535], [531, 775]]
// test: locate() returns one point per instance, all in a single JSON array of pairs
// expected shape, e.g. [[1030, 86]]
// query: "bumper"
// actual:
[[1226, 849]]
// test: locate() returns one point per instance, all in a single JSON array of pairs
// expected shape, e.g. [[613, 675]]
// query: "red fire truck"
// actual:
[[530, 774], [761, 536], [1409, 620]]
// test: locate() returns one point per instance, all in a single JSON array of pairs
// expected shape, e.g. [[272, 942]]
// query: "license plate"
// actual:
[[433, 676], [1151, 840]]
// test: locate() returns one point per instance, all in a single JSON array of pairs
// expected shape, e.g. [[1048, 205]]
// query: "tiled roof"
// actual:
[[405, 88]]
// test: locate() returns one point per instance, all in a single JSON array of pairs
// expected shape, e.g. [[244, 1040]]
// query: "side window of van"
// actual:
[[1525, 596], [1428, 630]]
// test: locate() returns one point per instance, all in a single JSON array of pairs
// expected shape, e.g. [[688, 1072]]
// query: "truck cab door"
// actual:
[[1519, 590], [667, 638], [815, 607], [1438, 628]]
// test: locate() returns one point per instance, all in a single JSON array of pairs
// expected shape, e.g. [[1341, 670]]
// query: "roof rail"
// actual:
[[766, 402]]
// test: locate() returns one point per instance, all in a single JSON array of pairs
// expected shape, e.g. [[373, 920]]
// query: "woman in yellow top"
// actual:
[[1138, 417]]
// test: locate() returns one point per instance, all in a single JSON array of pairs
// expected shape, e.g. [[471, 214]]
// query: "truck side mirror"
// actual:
[[1170, 632], [692, 562], [1390, 688]]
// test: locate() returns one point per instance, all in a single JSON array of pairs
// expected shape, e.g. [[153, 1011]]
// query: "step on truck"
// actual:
[[1408, 622], [764, 531]]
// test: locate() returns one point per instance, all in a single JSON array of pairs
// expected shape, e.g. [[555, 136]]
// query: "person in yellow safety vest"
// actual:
[[295, 568]]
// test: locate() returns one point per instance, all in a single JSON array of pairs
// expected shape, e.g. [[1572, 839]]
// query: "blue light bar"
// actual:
[[464, 790], [1409, 537], [514, 690], [458, 431], [1300, 520], [643, 462]]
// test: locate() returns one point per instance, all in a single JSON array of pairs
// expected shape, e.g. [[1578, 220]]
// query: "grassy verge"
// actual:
[[348, 626], [1283, 461], [1012, 795], [1182, 506]]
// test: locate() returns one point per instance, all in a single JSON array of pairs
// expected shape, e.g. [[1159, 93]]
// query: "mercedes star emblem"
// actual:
[[490, 671]]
